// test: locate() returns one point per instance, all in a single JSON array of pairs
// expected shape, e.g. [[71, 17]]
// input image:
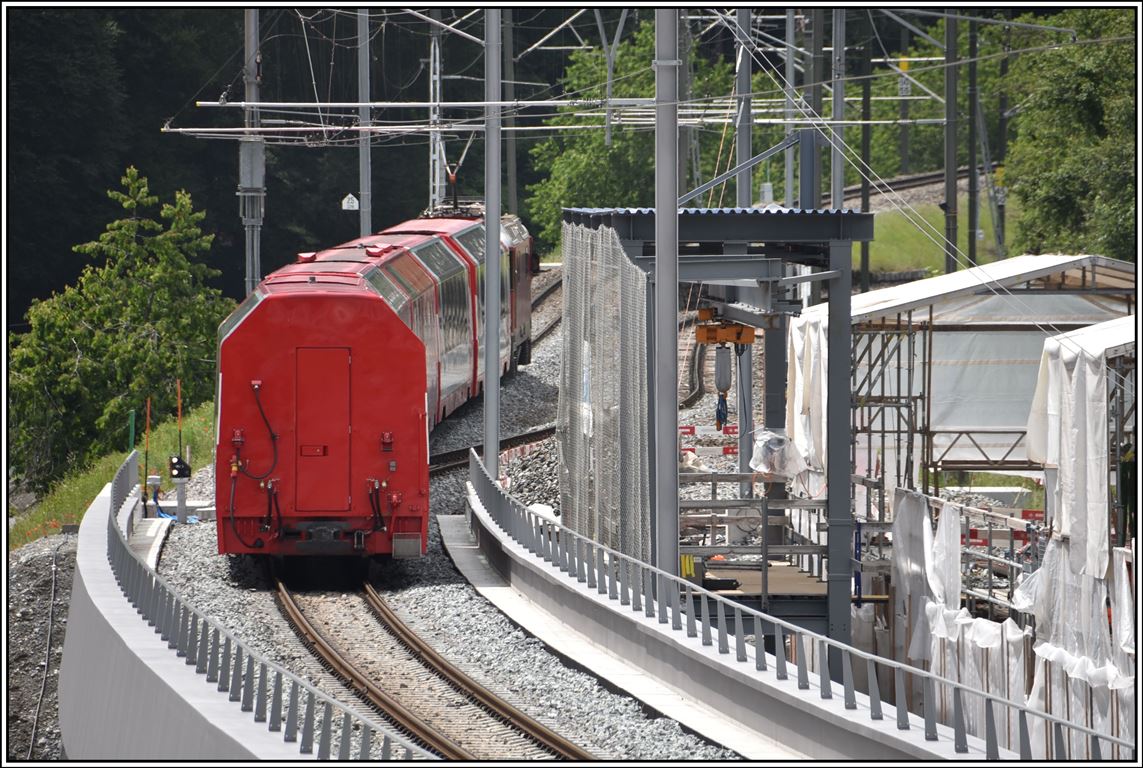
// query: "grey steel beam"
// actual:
[[743, 185], [755, 225], [252, 158], [790, 96], [666, 224], [840, 541], [364, 167], [492, 241], [508, 70], [950, 144], [837, 112]]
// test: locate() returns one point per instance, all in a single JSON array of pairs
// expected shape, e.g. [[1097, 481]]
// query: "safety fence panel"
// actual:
[[275, 696]]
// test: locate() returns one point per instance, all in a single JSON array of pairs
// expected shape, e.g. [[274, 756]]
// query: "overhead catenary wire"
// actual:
[[906, 209]]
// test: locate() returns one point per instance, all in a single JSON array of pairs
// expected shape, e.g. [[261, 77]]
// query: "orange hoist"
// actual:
[[711, 330]]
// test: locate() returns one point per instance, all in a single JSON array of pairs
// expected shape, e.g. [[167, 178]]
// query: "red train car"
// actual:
[[333, 371]]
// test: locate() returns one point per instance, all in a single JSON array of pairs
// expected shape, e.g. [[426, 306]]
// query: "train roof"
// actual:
[[437, 225]]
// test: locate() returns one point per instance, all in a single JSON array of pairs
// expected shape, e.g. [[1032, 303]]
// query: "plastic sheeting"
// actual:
[[1074, 653], [982, 380], [912, 539], [1068, 433]]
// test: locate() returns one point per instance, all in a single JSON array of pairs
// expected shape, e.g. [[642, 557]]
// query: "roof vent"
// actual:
[[306, 257]]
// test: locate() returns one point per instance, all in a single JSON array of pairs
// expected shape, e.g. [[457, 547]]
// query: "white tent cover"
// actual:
[[979, 380], [1068, 434]]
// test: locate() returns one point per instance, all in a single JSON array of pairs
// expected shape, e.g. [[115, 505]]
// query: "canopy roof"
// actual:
[[1091, 275]]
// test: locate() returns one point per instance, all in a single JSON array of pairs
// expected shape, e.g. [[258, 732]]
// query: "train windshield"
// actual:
[[239, 314], [473, 241], [384, 286]]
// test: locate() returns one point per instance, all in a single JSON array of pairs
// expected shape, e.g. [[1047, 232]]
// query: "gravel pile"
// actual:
[[29, 606]]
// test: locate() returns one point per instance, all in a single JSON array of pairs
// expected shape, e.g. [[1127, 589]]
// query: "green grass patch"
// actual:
[[72, 495], [900, 243]]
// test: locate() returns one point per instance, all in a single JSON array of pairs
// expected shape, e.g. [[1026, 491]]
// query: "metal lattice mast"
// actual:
[[492, 241], [252, 158], [665, 501], [364, 165]]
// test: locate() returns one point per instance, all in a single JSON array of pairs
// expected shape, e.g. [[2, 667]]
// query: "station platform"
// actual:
[[566, 641]]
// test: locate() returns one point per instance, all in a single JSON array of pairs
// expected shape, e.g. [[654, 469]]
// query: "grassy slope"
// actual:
[[899, 244], [71, 496]]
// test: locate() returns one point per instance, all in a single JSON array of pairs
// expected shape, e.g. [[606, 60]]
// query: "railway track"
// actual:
[[448, 460], [899, 184], [363, 641]]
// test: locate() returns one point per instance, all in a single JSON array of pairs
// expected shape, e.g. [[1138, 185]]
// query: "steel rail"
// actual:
[[549, 739], [405, 719], [447, 460]]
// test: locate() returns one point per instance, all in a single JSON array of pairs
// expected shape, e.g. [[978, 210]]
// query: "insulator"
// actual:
[[722, 368]]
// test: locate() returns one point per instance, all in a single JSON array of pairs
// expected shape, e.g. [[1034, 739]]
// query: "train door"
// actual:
[[322, 429]]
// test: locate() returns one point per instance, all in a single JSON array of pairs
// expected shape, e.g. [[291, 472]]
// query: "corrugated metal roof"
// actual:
[[766, 211]]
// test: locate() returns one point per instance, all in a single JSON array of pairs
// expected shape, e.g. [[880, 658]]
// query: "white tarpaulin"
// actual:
[[1075, 659], [1068, 433], [982, 380]]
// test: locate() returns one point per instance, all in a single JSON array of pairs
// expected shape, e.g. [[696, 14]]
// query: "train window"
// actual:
[[388, 290], [438, 258], [473, 241], [239, 314]]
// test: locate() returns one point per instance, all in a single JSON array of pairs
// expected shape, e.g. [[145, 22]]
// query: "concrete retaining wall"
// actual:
[[123, 694], [778, 709]]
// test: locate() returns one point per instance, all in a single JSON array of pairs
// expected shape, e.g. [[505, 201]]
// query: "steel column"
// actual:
[[252, 158], [665, 386], [790, 95], [492, 242], [839, 544], [837, 132], [950, 143], [744, 187], [364, 167]]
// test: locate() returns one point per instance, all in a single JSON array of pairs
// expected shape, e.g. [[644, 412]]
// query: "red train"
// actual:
[[334, 369]]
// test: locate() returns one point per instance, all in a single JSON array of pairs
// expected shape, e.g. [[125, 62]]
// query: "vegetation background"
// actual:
[[94, 330]]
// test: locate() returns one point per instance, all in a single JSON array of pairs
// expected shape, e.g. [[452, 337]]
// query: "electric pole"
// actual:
[[950, 141], [364, 167], [252, 158]]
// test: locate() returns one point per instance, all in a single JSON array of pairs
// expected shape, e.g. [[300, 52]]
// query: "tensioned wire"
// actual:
[[882, 186]]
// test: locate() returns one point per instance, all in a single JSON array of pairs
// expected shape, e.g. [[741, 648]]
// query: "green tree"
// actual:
[[138, 318], [1072, 164], [577, 168]]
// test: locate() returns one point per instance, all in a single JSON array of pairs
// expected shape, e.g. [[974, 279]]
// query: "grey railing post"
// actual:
[[636, 588], [366, 738], [676, 620], [661, 597], [236, 673], [589, 564], [874, 690], [992, 748], [601, 570], [1025, 741], [648, 595], [326, 729], [823, 671], [614, 567], [291, 733], [192, 639], [739, 636], [624, 586], [930, 707], [803, 667], [1096, 754], [960, 737], [580, 566], [346, 737], [212, 669], [276, 703], [1060, 751], [901, 702], [706, 620], [387, 749], [723, 645], [224, 673], [847, 680], [260, 702], [203, 649], [248, 685], [779, 652], [692, 631], [307, 745]]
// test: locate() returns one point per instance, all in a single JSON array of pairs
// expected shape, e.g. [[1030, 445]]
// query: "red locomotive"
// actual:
[[334, 369]]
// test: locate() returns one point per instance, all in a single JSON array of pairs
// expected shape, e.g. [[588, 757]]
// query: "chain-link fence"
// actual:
[[602, 422]]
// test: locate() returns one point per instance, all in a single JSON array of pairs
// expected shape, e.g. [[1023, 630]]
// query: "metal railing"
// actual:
[[275, 696], [648, 590]]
